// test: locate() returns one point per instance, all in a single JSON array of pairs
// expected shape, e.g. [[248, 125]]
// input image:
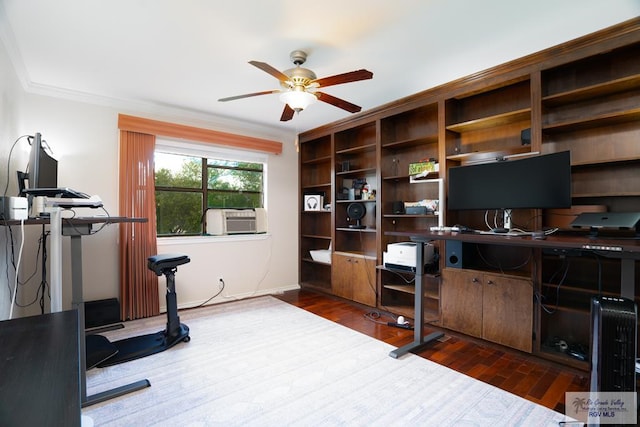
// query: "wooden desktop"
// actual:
[[627, 250]]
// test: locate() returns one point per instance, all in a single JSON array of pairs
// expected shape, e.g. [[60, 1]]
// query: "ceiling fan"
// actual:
[[300, 86]]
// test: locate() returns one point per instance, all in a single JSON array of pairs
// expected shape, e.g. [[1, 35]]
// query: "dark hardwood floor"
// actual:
[[519, 373]]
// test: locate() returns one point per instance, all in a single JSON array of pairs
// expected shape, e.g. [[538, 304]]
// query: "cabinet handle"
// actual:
[[490, 282], [475, 280]]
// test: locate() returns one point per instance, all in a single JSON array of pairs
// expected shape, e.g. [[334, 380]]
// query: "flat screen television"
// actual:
[[42, 170], [539, 182]]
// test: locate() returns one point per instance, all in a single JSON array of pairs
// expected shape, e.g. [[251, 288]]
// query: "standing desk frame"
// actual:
[[627, 250], [76, 228]]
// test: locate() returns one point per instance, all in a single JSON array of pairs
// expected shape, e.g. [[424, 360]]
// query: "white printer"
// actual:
[[402, 256]]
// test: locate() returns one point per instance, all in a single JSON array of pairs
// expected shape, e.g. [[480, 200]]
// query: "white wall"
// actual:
[[11, 98], [84, 138]]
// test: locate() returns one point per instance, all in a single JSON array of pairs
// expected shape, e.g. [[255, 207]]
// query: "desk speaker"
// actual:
[[453, 252]]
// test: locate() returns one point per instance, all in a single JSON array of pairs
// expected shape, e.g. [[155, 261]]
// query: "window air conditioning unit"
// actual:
[[236, 221]]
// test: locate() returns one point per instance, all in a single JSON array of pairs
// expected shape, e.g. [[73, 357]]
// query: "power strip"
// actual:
[[400, 325]]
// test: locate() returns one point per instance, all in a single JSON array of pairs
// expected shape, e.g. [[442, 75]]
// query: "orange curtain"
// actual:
[[138, 285]]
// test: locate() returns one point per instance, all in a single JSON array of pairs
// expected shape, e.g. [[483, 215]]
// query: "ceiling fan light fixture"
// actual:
[[298, 99], [299, 86]]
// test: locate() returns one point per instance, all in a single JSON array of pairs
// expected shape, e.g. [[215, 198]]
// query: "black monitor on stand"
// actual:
[[42, 171], [539, 182]]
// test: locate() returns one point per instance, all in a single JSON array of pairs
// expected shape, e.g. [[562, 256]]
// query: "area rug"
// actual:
[[263, 362]]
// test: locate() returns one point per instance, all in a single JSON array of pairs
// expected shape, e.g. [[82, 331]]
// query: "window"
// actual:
[[188, 182]]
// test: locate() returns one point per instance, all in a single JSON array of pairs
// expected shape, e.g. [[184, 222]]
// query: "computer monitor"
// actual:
[[539, 182], [43, 169]]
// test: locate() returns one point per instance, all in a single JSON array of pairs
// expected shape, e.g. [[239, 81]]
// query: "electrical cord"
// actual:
[[265, 268], [597, 257], [15, 289], [10, 259], [264, 275], [516, 228], [495, 219], [266, 264], [406, 280], [44, 285], [376, 316], [91, 232], [564, 268], [498, 265], [215, 295], [6, 185]]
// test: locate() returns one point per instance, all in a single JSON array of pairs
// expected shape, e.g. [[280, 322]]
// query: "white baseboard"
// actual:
[[227, 298]]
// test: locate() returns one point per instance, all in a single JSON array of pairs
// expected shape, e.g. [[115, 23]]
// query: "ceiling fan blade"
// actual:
[[352, 76], [287, 113], [269, 69], [248, 95], [340, 103]]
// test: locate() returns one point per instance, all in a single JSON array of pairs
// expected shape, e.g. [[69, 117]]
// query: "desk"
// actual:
[[627, 250], [39, 364], [419, 339], [75, 228]]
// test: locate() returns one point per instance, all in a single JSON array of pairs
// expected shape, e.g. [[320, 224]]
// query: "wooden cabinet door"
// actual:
[[364, 280], [341, 276], [353, 277], [461, 299], [508, 311]]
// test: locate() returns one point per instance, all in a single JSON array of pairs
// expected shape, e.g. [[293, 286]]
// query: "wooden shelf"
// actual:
[[429, 139], [491, 121], [318, 185], [576, 288], [484, 156], [356, 172], [315, 236], [320, 212], [431, 317], [563, 359], [582, 96], [321, 286], [317, 160], [606, 162], [315, 175], [411, 289], [409, 216], [407, 177], [588, 122], [358, 149], [597, 90], [577, 195], [356, 201], [313, 261]]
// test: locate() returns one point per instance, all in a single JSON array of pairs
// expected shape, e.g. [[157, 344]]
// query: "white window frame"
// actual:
[[213, 151]]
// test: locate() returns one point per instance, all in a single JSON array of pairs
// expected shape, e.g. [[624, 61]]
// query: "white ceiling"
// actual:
[[181, 56]]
